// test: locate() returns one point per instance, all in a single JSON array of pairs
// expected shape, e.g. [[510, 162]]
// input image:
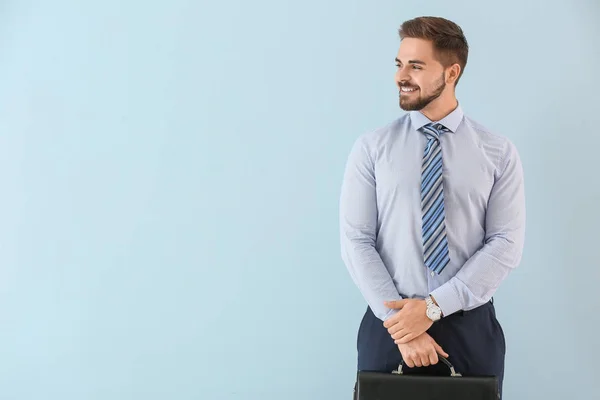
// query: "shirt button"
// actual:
[[432, 273]]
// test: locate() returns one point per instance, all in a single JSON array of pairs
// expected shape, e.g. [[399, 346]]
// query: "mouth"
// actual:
[[408, 90]]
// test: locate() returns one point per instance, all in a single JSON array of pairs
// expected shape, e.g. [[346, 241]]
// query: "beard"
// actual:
[[420, 102]]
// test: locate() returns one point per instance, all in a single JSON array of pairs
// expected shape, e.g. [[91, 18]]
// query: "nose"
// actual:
[[401, 76]]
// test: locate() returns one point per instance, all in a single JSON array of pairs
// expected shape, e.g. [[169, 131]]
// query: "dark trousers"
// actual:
[[473, 339]]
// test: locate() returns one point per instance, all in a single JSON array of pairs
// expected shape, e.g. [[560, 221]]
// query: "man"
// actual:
[[432, 218]]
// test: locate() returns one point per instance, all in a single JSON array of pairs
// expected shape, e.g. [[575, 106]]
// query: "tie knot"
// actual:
[[434, 130]]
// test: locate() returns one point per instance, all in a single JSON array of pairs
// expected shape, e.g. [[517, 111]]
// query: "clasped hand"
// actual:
[[408, 329], [408, 323]]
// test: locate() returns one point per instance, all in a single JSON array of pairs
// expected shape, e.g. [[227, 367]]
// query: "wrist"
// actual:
[[436, 303], [448, 298], [433, 310]]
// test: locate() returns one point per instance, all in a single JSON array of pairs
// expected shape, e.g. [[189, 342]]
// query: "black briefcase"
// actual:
[[396, 385]]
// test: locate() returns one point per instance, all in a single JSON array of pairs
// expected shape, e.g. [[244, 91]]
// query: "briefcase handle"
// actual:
[[442, 358]]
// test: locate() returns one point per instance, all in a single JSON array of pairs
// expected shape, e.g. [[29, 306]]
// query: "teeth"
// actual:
[[405, 89]]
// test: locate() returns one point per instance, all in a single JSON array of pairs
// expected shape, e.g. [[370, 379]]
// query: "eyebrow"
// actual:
[[412, 61]]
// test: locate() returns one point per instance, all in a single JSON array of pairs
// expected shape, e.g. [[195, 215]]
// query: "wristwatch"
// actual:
[[434, 312]]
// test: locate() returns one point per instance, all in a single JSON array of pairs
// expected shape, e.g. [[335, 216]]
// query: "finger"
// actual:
[[425, 360], [406, 338], [409, 362], [397, 332], [403, 340], [396, 304], [433, 357], [417, 361], [439, 349], [395, 328], [391, 321]]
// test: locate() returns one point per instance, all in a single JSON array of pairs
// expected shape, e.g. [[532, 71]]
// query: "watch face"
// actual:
[[433, 313]]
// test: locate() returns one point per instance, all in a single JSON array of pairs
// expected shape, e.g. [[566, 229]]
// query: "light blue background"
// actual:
[[170, 175]]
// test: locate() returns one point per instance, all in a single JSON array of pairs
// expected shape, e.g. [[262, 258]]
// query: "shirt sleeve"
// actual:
[[358, 233], [479, 278]]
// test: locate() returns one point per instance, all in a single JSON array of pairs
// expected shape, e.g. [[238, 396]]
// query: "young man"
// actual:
[[432, 219]]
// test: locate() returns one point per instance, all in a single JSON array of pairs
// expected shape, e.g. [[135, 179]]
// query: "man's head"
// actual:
[[432, 57]]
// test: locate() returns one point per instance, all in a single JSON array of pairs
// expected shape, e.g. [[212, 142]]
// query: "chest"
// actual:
[[467, 172]]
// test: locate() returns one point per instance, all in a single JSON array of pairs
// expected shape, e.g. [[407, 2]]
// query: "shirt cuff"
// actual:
[[447, 299]]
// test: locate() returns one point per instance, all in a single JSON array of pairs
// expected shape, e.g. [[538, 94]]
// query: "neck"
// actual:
[[440, 107]]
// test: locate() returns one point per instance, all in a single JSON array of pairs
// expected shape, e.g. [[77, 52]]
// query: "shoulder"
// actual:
[[381, 136], [494, 143], [483, 132]]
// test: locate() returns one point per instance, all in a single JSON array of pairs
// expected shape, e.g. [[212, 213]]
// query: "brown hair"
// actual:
[[448, 39]]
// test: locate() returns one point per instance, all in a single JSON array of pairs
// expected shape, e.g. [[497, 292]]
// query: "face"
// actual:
[[421, 79]]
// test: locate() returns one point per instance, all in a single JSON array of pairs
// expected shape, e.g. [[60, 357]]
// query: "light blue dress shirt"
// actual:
[[380, 213]]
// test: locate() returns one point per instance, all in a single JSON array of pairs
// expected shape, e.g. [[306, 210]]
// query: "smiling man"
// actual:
[[432, 219]]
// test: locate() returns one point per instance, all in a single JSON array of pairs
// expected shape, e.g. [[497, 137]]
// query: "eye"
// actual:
[[417, 67]]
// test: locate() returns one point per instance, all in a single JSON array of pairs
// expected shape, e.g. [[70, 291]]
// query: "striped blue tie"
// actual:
[[435, 243]]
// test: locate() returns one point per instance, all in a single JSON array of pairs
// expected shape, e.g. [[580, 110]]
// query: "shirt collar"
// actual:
[[450, 121]]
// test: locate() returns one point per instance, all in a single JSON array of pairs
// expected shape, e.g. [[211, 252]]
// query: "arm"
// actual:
[[480, 276], [358, 232]]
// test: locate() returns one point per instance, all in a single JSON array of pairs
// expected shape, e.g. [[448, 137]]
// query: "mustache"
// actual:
[[407, 85]]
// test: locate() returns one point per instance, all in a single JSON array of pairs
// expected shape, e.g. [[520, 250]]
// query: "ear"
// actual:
[[452, 74]]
